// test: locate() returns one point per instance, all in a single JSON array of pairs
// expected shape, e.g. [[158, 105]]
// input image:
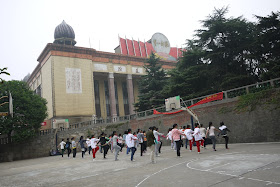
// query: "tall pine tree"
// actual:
[[151, 85]]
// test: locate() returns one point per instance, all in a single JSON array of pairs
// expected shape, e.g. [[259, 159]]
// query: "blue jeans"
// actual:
[[133, 149], [128, 150]]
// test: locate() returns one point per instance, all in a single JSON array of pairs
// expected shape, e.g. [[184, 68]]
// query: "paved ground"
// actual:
[[241, 165]]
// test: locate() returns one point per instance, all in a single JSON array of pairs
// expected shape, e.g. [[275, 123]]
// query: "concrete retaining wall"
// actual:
[[260, 125]]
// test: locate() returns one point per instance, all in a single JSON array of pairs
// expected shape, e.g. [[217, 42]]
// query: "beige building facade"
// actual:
[[82, 84]]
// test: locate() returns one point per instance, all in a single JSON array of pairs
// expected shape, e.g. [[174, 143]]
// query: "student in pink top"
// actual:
[[176, 137]]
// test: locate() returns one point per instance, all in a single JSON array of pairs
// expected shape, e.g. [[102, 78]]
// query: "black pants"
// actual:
[[105, 150], [204, 141], [74, 152], [68, 151], [145, 145], [121, 145], [178, 146], [226, 139], [84, 152], [89, 149], [159, 147], [141, 149]]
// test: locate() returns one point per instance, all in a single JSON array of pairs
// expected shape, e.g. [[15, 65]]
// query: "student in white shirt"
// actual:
[[93, 143], [157, 142], [197, 137], [62, 146], [203, 135], [169, 137], [130, 142], [189, 134], [223, 132], [88, 145], [211, 131]]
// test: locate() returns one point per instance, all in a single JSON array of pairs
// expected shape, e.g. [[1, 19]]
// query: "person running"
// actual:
[[211, 131], [223, 132], [74, 147], [116, 147], [68, 147], [83, 148], [189, 134], [93, 143], [145, 141], [120, 142], [169, 137], [88, 144], [62, 147], [176, 137], [140, 137], [104, 144], [157, 142], [151, 144], [197, 137], [130, 141], [203, 134]]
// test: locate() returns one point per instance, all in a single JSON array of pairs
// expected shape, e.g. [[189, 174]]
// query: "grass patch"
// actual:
[[250, 101]]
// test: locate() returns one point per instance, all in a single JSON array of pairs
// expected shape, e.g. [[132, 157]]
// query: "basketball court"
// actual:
[[242, 165]]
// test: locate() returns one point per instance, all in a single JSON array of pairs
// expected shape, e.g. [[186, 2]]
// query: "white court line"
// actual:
[[236, 176], [217, 167], [158, 172]]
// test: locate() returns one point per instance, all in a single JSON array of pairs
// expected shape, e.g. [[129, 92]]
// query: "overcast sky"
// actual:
[[27, 26]]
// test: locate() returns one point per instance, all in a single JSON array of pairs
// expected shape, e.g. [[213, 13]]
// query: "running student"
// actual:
[[157, 142], [189, 134], [104, 141], [151, 144], [176, 137], [68, 147], [115, 145], [223, 132], [62, 147], [211, 131], [84, 150], [74, 147], [120, 142], [197, 137], [130, 141], [140, 137], [203, 134], [169, 137], [88, 144], [93, 143]]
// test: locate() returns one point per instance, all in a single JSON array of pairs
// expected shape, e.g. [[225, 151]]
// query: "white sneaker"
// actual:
[[199, 152], [190, 150], [133, 160], [93, 159]]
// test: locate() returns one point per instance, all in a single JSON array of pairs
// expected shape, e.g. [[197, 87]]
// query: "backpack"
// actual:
[[67, 146]]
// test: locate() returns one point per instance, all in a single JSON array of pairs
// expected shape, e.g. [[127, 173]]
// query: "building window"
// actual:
[[38, 91], [97, 98], [125, 98], [117, 99], [107, 98]]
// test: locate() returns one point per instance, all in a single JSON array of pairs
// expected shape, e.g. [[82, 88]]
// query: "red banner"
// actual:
[[214, 97], [156, 112]]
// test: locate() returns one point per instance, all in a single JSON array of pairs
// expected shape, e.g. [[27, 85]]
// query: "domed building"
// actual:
[[83, 84], [64, 34]]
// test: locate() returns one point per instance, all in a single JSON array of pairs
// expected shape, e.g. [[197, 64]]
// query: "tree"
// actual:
[[151, 85], [3, 71], [268, 49], [221, 56], [30, 110]]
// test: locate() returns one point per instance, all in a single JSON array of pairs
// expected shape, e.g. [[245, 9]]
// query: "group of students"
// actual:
[[151, 140], [196, 136]]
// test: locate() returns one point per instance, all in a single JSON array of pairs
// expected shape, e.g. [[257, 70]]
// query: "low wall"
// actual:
[[260, 125]]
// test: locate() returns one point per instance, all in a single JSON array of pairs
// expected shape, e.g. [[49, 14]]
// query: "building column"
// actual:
[[112, 97], [130, 94]]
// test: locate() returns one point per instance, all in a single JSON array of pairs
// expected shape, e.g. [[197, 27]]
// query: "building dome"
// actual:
[[64, 34]]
